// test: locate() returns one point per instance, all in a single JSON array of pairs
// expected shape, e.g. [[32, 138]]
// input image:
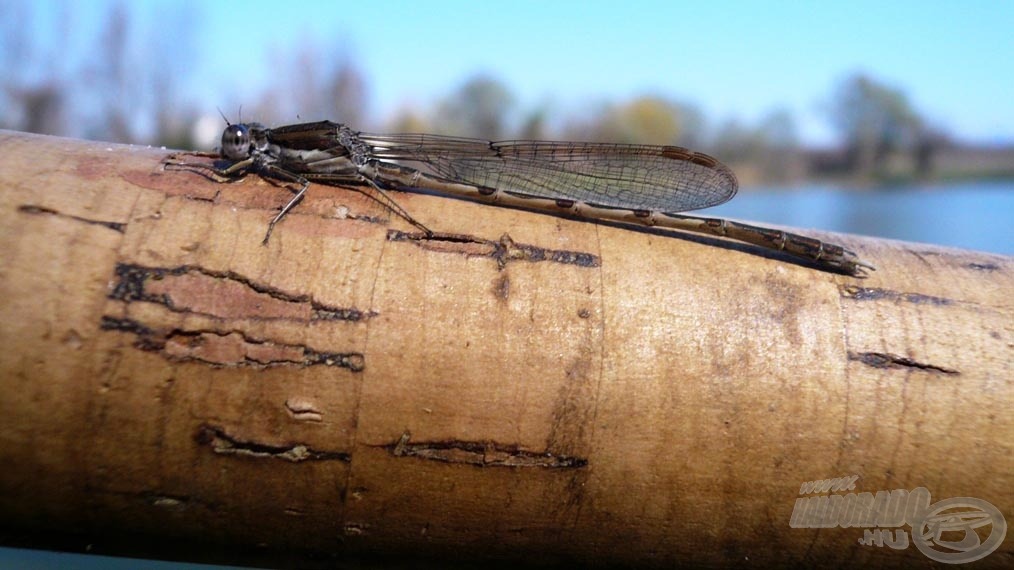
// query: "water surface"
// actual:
[[972, 215]]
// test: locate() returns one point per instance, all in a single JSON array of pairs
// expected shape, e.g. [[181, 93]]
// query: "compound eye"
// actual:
[[236, 142]]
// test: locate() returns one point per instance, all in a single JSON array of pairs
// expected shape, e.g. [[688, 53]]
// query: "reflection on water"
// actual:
[[970, 215]]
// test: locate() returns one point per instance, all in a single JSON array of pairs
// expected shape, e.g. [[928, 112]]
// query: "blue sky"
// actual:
[[732, 59]]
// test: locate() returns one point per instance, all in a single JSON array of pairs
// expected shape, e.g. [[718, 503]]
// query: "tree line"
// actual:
[[126, 95]]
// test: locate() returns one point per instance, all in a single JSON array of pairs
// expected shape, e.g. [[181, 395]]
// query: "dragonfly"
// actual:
[[629, 184]]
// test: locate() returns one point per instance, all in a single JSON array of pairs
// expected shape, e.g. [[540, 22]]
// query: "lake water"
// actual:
[[971, 215]]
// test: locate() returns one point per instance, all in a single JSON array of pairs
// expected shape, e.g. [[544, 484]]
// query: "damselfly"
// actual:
[[631, 184]]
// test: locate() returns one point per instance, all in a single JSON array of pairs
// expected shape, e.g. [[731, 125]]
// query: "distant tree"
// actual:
[[30, 99], [643, 120], [771, 148], [928, 144], [114, 75], [779, 154], [347, 93], [480, 108], [133, 77], [115, 87], [170, 54], [408, 121], [778, 129], [647, 120], [874, 121], [735, 142], [318, 83], [534, 125]]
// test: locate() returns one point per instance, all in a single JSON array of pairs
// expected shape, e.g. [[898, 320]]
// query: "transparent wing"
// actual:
[[637, 177]]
